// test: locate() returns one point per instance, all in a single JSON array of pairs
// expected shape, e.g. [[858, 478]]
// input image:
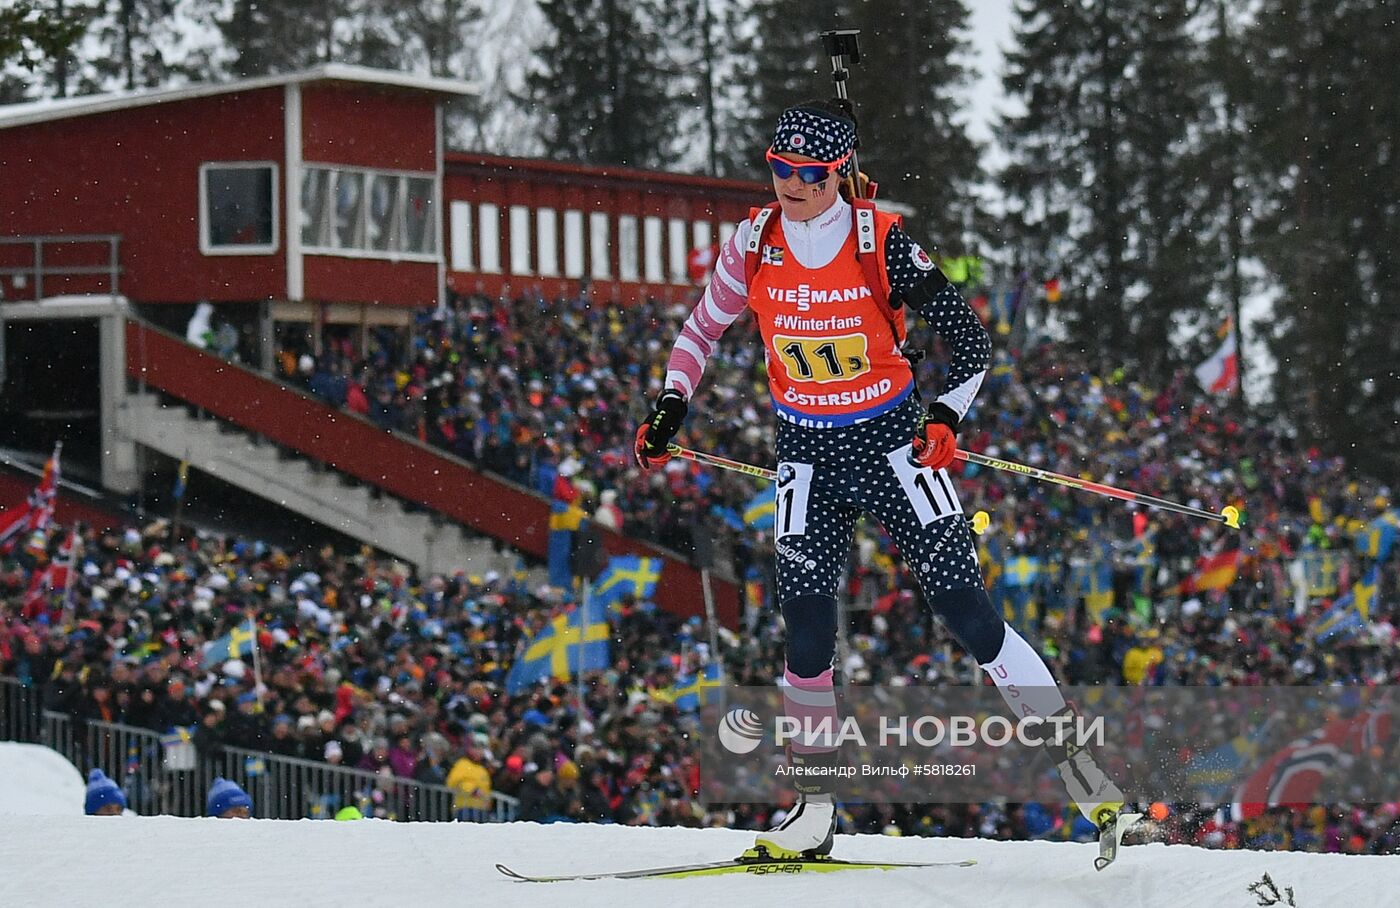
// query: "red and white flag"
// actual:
[[1219, 374], [36, 513]]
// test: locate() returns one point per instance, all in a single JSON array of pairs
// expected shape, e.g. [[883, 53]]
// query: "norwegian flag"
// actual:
[[1293, 776], [37, 512], [36, 597]]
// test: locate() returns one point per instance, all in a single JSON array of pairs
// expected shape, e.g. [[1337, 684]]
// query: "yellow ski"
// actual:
[[751, 867]]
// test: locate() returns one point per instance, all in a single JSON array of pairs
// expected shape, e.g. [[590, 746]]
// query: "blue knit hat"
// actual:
[[224, 795], [101, 791]]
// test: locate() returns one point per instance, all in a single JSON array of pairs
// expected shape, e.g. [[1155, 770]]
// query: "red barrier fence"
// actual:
[[401, 466]]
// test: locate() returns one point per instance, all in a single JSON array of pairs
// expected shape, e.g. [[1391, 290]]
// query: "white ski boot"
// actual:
[[806, 832]]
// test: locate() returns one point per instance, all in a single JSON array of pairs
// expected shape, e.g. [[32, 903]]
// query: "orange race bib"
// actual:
[[832, 349]]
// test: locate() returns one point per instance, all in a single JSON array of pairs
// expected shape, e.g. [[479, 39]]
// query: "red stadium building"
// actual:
[[292, 203]]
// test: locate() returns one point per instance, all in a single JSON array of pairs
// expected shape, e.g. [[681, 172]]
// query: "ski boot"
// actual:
[[806, 833], [1091, 791]]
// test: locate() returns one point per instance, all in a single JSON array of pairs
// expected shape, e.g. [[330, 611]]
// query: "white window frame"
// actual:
[[489, 232], [547, 241], [600, 245], [520, 240], [678, 245], [205, 247], [653, 251], [573, 243], [461, 214], [391, 255], [629, 240]]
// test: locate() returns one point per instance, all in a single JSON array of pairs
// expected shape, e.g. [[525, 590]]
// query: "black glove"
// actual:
[[662, 426]]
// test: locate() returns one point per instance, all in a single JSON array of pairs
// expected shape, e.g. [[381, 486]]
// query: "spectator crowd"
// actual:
[[366, 664]]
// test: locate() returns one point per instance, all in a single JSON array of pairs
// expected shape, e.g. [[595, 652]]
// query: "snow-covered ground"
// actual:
[[37, 780], [66, 859]]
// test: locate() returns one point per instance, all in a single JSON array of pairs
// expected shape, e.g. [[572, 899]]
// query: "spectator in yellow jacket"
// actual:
[[471, 781]]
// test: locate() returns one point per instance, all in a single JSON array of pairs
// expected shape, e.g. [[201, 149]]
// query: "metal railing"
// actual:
[[37, 270], [164, 776]]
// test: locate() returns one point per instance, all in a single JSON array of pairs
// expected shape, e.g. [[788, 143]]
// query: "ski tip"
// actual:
[[508, 872]]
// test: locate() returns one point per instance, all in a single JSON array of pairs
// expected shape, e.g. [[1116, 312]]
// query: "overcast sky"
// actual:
[[990, 33]]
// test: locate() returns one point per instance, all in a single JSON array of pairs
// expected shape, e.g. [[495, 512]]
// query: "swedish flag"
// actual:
[[1343, 620], [575, 641], [761, 510], [238, 642], [691, 692], [1094, 582], [1364, 592], [626, 575], [1321, 568], [1378, 538], [1022, 570]]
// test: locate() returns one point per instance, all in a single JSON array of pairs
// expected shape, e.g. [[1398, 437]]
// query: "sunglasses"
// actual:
[[809, 172]]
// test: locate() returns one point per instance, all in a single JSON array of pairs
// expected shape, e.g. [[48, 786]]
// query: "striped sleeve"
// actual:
[[724, 300]]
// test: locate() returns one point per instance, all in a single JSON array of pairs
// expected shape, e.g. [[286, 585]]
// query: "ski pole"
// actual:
[[1229, 515], [980, 520]]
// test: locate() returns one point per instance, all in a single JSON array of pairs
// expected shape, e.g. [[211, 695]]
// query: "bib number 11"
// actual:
[[930, 492]]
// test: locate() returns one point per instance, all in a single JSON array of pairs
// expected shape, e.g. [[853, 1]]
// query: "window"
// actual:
[[519, 239], [627, 248], [679, 246], [315, 217], [547, 224], [384, 226], [651, 232], [420, 213], [489, 225], [349, 206], [368, 213], [726, 230], [573, 243], [238, 208], [461, 236], [598, 246]]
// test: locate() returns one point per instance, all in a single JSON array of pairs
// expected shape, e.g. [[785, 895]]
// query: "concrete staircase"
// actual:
[[314, 491]]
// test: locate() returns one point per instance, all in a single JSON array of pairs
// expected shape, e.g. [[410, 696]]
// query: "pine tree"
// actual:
[[1323, 140], [786, 65], [1105, 190], [904, 93], [1050, 70], [150, 44], [601, 79]]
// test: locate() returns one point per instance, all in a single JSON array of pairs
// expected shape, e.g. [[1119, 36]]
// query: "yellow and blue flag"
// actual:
[[575, 641], [182, 479], [1342, 619], [1378, 538], [1321, 568], [1364, 592], [761, 510], [1021, 571], [690, 692], [626, 575], [233, 645], [1094, 582], [1349, 614]]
